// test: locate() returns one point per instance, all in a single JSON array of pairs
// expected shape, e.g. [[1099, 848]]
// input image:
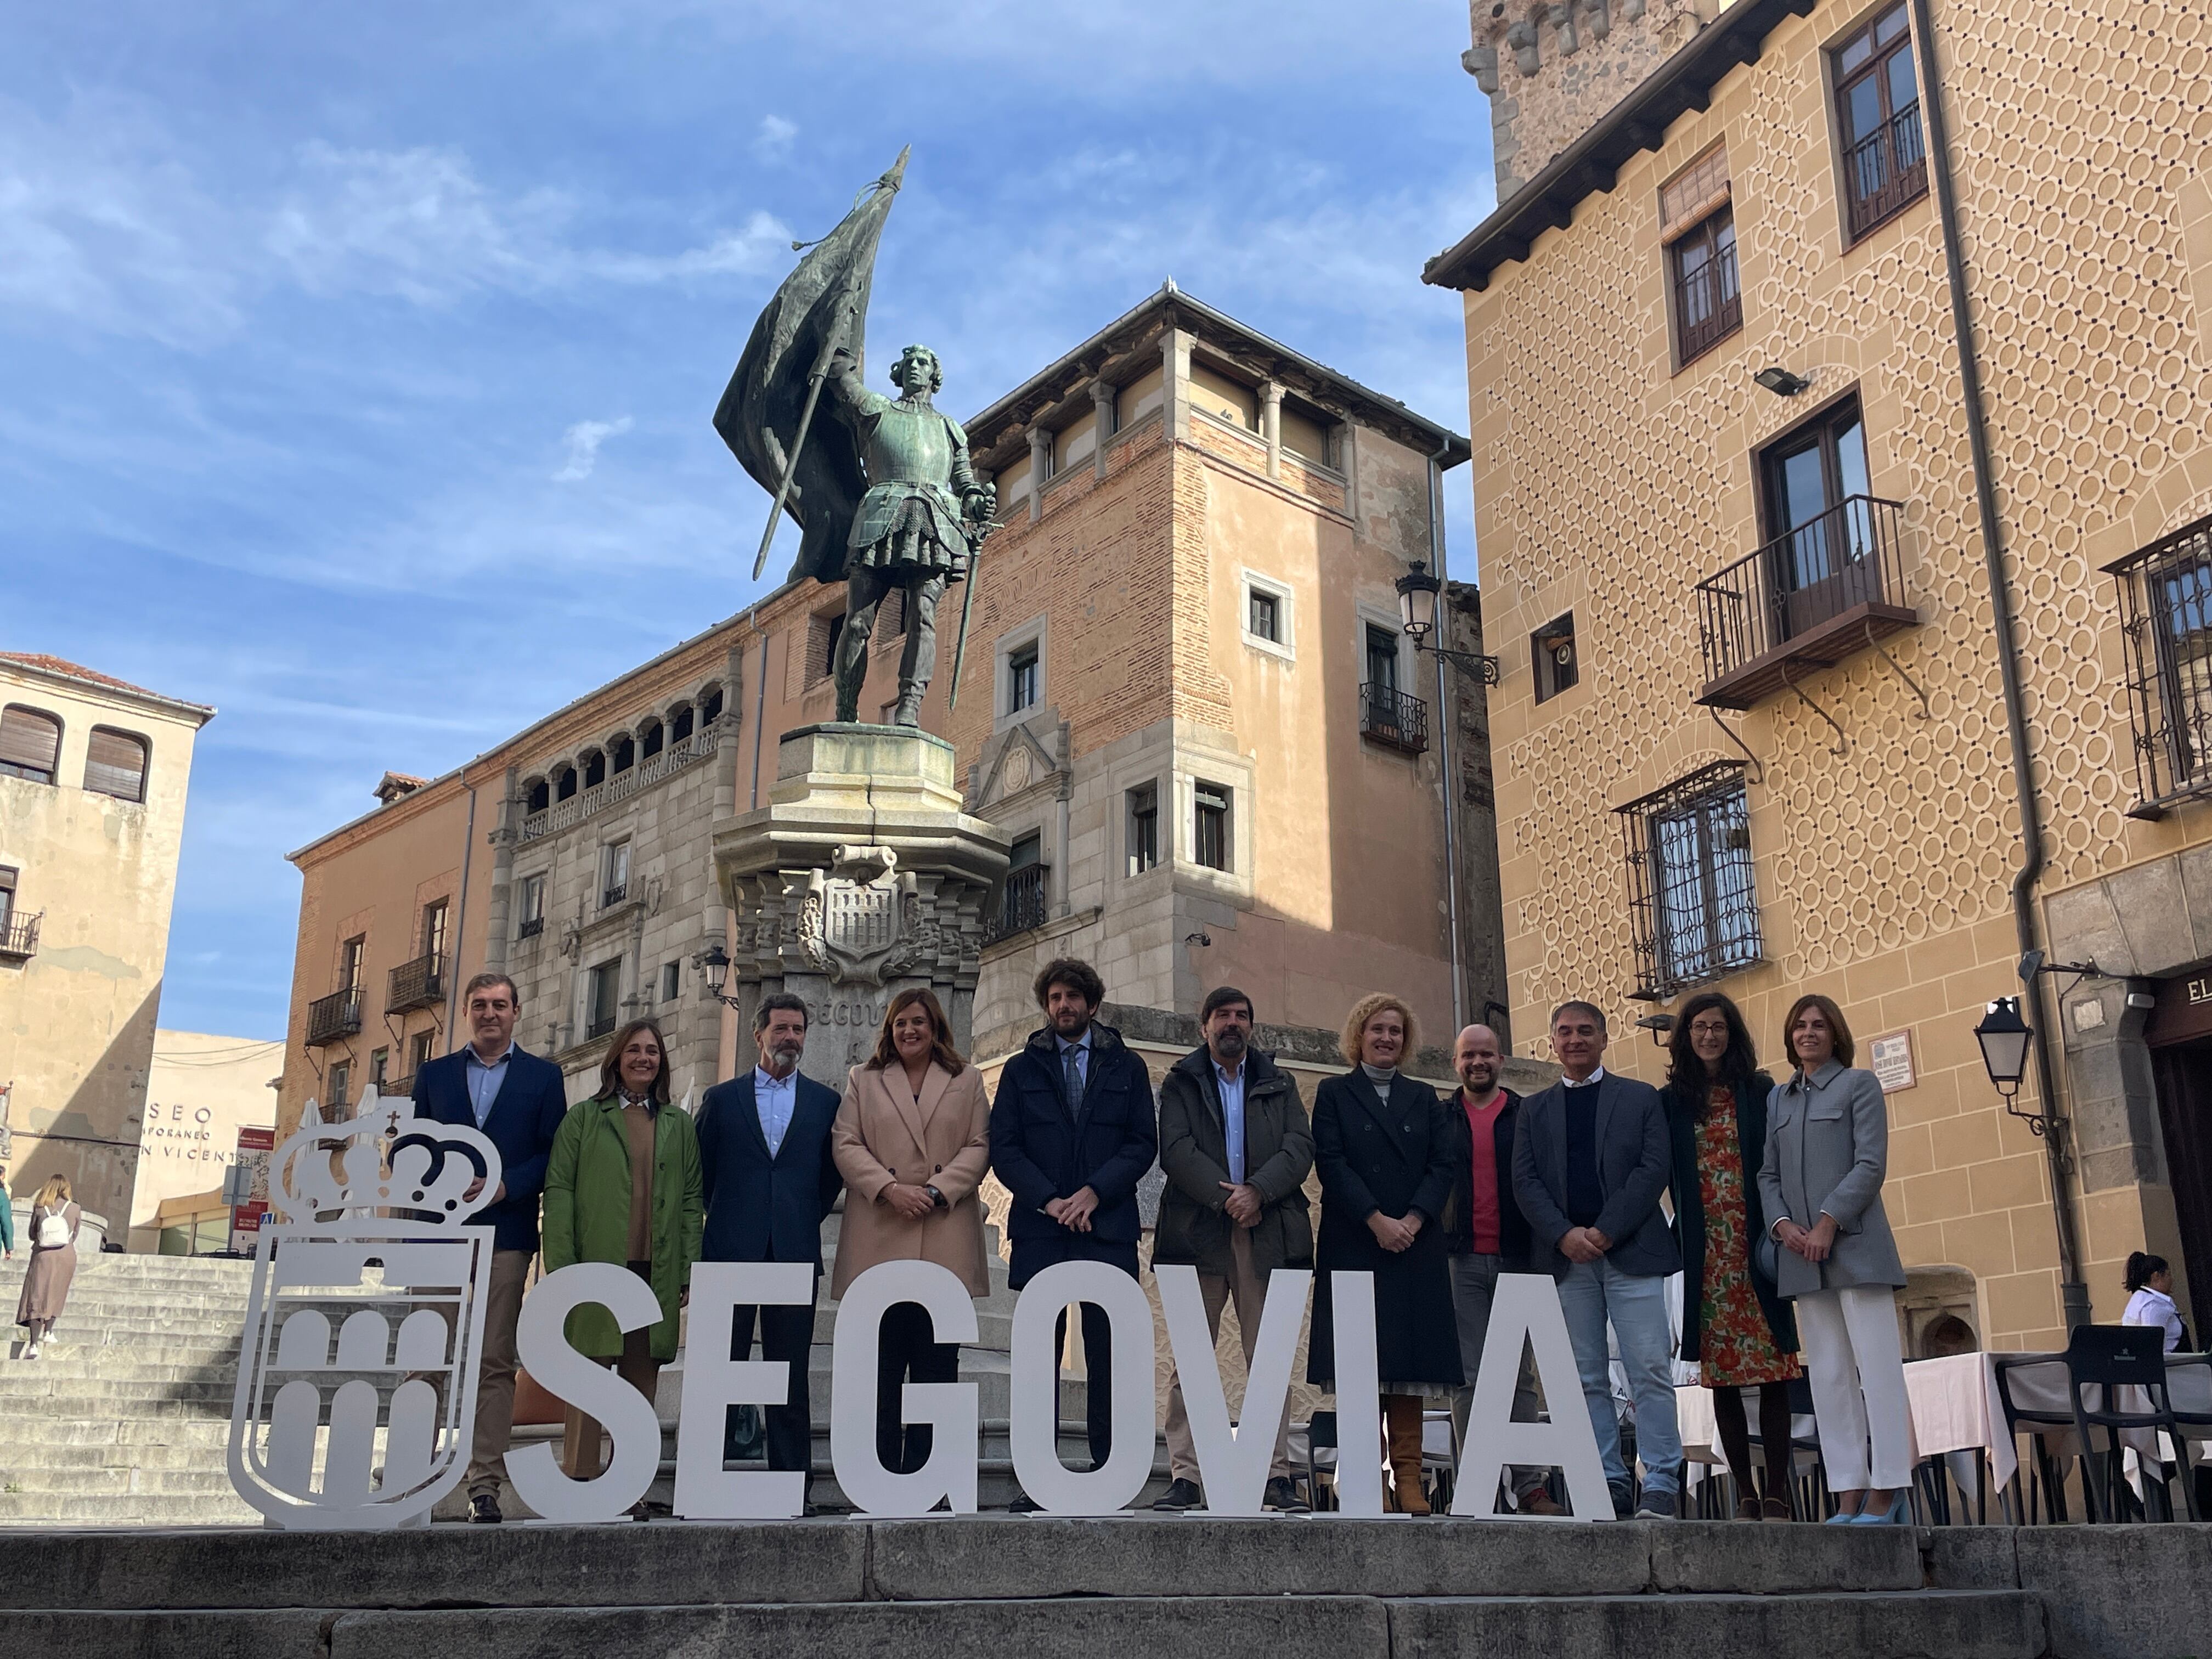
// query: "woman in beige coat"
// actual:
[[913, 1140], [54, 1220]]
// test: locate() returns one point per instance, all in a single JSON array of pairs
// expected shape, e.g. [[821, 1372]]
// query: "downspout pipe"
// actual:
[[460, 920], [1444, 745], [2073, 1291]]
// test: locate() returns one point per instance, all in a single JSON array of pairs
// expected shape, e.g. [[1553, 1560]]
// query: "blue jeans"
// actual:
[[1590, 1294]]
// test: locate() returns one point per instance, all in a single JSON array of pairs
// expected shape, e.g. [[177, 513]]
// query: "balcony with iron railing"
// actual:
[[529, 928], [1387, 715], [1830, 588], [1708, 300], [1886, 170], [1024, 904], [417, 984], [397, 1088], [18, 936], [333, 1017]]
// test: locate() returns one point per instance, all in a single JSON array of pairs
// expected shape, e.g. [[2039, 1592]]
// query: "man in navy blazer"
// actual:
[[1072, 1133], [1590, 1160], [519, 1101], [769, 1182]]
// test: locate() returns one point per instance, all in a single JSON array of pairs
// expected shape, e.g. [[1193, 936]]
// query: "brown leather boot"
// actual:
[[1402, 1412]]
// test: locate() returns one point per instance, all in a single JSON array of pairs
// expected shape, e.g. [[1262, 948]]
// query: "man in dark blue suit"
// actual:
[[769, 1182], [1072, 1134], [519, 1101]]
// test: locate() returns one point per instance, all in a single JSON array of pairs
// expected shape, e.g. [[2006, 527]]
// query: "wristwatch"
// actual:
[[937, 1198]]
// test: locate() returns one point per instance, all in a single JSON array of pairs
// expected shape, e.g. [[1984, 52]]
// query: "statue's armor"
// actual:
[[918, 473]]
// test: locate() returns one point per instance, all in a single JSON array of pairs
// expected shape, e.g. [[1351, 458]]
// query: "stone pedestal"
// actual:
[[860, 877]]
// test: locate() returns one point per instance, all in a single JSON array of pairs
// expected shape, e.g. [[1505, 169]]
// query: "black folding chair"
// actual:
[[2199, 1476], [2104, 1357], [1321, 1436], [2045, 1479]]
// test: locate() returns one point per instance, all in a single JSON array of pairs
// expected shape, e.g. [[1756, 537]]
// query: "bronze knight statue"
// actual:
[[885, 498]]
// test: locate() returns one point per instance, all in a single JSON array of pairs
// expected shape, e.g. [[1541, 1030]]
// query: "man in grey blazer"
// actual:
[[1591, 1160]]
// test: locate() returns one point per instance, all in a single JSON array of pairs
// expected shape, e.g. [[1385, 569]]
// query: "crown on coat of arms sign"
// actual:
[[382, 1165]]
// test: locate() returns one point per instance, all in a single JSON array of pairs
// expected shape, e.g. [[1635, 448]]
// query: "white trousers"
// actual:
[[1857, 1372]]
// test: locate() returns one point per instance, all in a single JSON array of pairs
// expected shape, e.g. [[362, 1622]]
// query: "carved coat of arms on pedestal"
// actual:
[[862, 924]]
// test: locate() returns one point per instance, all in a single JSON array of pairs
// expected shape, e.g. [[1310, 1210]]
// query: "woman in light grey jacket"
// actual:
[[1827, 1150]]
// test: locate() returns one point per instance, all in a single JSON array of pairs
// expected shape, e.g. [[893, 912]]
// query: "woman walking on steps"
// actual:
[[54, 1221]]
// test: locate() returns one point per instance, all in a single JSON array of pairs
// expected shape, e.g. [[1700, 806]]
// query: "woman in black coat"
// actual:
[[1384, 1144], [1735, 1323]]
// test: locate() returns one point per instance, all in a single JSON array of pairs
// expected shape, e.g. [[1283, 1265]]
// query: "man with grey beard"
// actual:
[[769, 1182]]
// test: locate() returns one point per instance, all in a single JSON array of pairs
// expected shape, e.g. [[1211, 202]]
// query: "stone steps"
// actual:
[[1283, 1588]]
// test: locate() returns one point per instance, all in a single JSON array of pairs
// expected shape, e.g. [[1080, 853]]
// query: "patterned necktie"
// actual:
[[1069, 1058]]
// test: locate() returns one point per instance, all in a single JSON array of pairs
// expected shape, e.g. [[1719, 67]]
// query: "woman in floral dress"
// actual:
[[1734, 1324]]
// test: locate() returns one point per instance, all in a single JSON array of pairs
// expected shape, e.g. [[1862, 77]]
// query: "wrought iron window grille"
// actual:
[[2165, 620], [1692, 898]]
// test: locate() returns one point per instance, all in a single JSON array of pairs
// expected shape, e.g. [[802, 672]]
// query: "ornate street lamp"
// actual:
[[714, 962], [2004, 1037], [1417, 611]]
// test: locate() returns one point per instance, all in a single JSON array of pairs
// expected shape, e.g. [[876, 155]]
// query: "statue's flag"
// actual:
[[770, 402]]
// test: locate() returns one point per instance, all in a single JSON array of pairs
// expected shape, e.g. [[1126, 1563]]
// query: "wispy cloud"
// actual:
[[773, 142], [583, 440]]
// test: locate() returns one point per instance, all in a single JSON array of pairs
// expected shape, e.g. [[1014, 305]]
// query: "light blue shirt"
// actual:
[[1232, 1119], [774, 1098], [1082, 1047], [484, 1081]]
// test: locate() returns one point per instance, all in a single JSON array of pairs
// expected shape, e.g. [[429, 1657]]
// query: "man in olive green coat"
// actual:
[[624, 1186]]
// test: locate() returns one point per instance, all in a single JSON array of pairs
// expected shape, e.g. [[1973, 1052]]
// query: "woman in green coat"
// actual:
[[622, 1185]]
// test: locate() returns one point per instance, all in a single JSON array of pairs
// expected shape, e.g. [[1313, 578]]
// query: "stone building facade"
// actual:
[[1725, 460], [1187, 703], [94, 775]]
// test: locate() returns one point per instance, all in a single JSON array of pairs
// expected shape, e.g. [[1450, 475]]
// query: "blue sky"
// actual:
[[357, 365]]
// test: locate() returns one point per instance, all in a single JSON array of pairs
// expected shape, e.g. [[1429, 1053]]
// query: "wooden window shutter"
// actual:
[[1695, 194], [30, 743], [116, 765]]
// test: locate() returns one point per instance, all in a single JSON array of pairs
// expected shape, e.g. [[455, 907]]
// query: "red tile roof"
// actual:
[[52, 665]]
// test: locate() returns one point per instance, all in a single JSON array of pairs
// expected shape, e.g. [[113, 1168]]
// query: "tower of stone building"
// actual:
[[1552, 68]]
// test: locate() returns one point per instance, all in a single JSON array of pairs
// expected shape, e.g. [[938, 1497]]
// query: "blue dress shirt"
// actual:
[[484, 1081], [1232, 1120], [774, 1098]]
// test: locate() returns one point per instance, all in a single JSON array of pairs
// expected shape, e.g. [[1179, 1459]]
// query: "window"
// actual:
[[650, 738], [380, 1066], [338, 1082], [530, 907], [30, 744], [1210, 842], [679, 724], [1022, 906], [419, 1048], [833, 631], [1270, 619], [616, 886], [1878, 115], [710, 710], [539, 797], [350, 959], [564, 783], [1552, 654], [433, 929], [1265, 619], [1142, 833], [2166, 612], [595, 769], [604, 989], [625, 753], [115, 764], [7, 898], [1382, 659], [1698, 230], [1022, 678], [1819, 520], [1691, 898], [671, 980]]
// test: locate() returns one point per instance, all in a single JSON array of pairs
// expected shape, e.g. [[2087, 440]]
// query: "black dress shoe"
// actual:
[[1282, 1497], [483, 1507], [1180, 1495]]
